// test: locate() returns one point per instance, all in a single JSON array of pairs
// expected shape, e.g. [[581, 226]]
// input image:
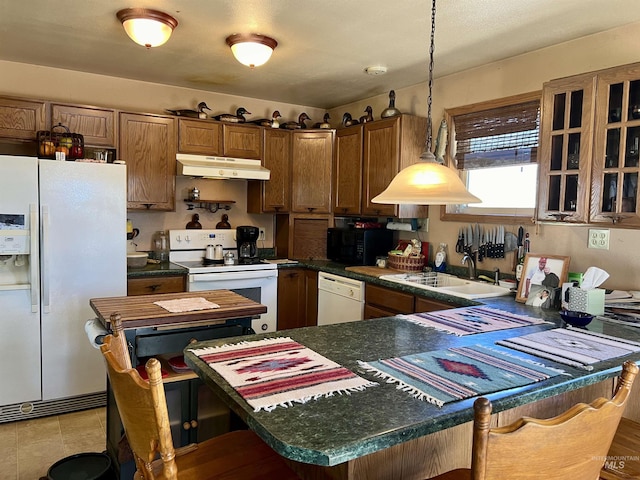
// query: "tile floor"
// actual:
[[30, 447]]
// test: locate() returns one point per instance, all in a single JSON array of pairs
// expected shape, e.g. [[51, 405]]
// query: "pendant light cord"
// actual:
[[431, 50]]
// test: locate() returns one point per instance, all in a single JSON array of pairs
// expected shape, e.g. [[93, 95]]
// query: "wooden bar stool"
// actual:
[[238, 455], [571, 446]]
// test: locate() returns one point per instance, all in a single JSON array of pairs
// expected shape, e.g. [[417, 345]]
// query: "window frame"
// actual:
[[447, 212]]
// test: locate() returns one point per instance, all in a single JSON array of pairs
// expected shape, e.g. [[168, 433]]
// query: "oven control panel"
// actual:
[[200, 239]]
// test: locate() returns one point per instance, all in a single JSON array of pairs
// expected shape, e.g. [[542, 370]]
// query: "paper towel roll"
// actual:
[[95, 331]]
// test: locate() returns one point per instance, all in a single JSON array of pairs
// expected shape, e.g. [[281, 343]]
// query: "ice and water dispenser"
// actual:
[[15, 248]]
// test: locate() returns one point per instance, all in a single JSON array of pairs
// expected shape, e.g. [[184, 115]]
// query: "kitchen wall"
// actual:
[[31, 81], [527, 73], [521, 74]]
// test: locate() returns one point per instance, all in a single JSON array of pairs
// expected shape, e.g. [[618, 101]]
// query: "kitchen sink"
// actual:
[[448, 284]]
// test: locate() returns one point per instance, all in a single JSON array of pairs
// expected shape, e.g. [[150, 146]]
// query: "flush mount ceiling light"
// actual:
[[150, 28], [251, 49], [427, 182]]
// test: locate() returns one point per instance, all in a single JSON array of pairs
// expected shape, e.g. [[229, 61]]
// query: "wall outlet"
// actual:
[[262, 234], [424, 225], [599, 238]]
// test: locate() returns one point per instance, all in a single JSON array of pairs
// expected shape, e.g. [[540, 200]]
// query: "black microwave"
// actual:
[[358, 246]]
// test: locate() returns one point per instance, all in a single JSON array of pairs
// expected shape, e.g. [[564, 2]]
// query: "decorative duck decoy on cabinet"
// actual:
[[391, 110], [229, 117], [347, 121], [295, 125], [269, 122], [324, 124], [198, 113], [369, 116]]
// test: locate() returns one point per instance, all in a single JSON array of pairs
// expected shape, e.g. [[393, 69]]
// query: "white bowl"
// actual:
[[137, 259]]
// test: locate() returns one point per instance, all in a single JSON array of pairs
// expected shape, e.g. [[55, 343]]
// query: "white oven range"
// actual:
[[257, 281]]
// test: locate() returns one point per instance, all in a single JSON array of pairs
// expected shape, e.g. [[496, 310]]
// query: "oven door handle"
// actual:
[[228, 276]]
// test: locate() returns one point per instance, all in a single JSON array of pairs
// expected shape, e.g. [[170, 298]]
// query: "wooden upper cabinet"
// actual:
[[389, 146], [273, 195], [614, 188], [199, 137], [242, 141], [21, 119], [312, 158], [148, 145], [347, 171], [566, 138], [96, 125]]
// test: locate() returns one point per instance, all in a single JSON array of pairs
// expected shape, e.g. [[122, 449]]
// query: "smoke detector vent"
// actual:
[[376, 70]]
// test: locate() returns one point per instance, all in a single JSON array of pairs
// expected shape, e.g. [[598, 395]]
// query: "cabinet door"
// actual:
[[566, 139], [242, 141], [199, 137], [311, 285], [148, 145], [380, 163], [96, 125], [347, 170], [273, 195], [312, 156], [21, 119], [292, 306], [381, 301], [429, 305], [614, 190]]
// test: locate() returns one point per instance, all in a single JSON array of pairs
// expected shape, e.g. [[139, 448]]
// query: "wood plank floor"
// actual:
[[29, 447]]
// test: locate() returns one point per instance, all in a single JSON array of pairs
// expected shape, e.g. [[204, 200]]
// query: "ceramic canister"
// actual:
[[217, 252], [210, 253]]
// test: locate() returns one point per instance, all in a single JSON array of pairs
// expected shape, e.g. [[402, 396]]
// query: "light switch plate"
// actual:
[[599, 238]]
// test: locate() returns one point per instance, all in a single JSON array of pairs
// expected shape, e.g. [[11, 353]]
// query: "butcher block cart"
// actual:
[[161, 326]]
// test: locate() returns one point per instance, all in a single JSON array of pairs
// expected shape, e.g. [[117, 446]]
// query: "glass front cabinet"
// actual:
[[589, 148], [566, 137]]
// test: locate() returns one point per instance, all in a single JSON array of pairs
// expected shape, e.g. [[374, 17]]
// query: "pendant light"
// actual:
[[427, 182], [146, 27], [251, 49]]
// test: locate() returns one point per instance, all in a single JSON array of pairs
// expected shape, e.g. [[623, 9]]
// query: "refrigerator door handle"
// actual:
[[33, 258], [46, 294]]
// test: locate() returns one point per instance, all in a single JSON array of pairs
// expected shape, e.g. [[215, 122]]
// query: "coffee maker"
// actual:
[[246, 238]]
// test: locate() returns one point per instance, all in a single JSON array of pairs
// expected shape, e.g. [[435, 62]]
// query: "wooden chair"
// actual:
[[238, 455], [572, 445]]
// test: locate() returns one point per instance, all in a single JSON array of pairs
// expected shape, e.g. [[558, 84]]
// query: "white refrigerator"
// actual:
[[62, 242]]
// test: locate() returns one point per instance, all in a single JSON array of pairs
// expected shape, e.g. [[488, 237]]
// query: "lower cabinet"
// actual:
[[387, 302], [297, 298], [156, 284], [429, 305]]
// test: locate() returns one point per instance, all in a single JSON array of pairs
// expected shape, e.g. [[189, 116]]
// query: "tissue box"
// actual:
[[590, 301]]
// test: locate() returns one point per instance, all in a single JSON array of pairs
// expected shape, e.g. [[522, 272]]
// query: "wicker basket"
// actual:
[[414, 264]]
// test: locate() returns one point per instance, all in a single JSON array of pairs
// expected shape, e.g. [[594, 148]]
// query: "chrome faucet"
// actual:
[[466, 259]]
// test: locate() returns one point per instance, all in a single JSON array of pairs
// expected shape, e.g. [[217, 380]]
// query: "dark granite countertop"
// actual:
[[156, 269], [329, 431]]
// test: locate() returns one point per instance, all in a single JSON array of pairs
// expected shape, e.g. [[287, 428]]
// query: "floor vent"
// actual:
[[28, 410]]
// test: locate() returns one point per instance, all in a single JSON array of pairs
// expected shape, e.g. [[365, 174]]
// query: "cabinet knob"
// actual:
[[194, 424], [153, 288], [615, 218], [186, 426]]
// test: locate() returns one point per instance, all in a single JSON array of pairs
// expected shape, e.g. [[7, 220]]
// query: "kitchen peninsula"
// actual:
[[383, 432]]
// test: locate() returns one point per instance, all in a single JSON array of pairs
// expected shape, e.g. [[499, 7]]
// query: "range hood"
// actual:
[[221, 167]]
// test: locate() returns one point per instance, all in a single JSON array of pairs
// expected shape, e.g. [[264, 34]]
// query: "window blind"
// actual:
[[497, 137]]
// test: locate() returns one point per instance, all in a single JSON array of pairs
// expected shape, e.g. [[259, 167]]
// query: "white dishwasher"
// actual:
[[340, 299]]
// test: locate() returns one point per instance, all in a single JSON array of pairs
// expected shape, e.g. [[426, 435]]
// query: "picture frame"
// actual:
[[542, 269]]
